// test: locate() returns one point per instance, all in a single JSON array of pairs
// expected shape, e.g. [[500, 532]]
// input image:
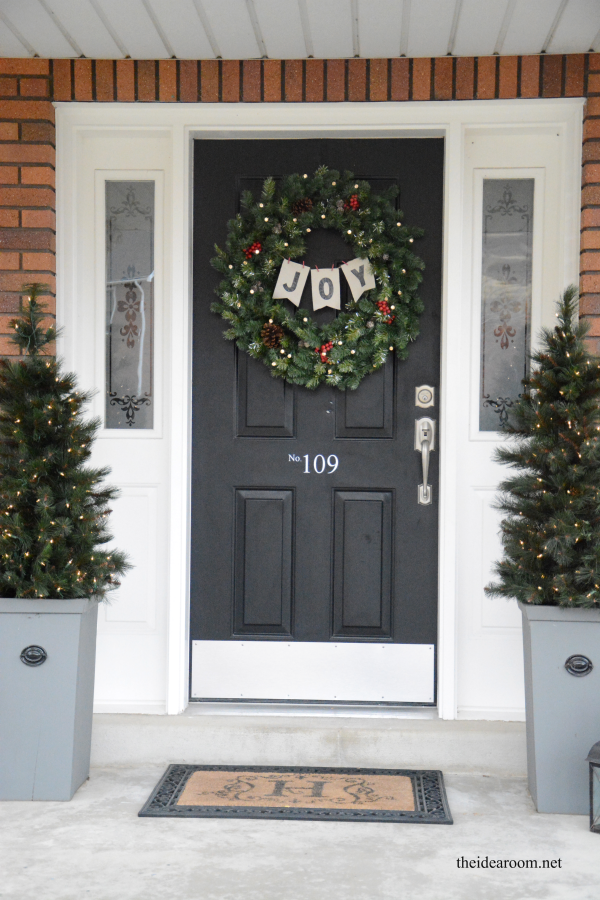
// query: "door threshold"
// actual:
[[284, 708]]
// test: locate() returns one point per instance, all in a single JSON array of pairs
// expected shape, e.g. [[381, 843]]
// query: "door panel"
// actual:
[[284, 546], [263, 562], [264, 405], [362, 577], [369, 411]]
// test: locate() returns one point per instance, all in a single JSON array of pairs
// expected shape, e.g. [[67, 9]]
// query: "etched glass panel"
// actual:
[[505, 296], [129, 304]]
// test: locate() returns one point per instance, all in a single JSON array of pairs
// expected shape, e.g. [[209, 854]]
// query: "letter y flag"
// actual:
[[359, 276]]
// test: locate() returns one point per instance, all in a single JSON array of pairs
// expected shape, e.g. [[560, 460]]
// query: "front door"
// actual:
[[313, 564]]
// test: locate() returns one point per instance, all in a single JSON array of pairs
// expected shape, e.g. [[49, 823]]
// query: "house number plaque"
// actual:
[[318, 465]]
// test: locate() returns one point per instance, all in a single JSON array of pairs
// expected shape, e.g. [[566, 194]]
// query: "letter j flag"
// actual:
[[359, 276], [291, 281], [325, 288]]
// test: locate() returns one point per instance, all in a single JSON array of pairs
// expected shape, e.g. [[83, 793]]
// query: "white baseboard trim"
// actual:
[[131, 707], [492, 714]]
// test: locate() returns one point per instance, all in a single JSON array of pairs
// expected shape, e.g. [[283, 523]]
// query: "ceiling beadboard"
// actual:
[[293, 29]]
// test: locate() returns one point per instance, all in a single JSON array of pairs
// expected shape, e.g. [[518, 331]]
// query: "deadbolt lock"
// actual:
[[424, 396]]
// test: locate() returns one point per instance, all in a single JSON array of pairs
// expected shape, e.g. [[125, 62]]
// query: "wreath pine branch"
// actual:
[[267, 231]]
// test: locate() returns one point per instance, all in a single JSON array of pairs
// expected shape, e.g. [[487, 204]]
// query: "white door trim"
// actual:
[[184, 122]]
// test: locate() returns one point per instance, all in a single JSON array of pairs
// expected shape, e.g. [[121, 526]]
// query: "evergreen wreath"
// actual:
[[273, 229]]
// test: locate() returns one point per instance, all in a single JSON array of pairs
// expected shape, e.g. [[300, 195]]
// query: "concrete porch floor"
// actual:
[[96, 847]]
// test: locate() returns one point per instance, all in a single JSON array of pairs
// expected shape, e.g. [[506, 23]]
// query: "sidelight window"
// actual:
[[505, 296], [130, 212]]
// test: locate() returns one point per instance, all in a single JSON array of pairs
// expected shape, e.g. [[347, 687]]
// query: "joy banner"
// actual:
[[325, 283]]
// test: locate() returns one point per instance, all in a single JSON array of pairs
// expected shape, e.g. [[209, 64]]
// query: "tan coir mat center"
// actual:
[[294, 792], [301, 789]]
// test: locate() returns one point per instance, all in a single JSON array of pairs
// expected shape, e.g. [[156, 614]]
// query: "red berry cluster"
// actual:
[[256, 247], [384, 309], [324, 350], [353, 203]]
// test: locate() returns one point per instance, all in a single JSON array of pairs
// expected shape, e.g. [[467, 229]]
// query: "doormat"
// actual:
[[298, 792]]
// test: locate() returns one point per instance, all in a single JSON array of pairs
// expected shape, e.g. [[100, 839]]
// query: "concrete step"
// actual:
[[255, 737]]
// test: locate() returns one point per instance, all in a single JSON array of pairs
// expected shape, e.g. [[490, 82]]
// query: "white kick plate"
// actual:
[[277, 670]]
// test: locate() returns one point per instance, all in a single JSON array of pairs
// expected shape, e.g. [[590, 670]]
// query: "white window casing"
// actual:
[[143, 640]]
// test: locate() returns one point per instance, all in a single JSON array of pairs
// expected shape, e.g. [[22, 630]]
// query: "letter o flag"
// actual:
[[325, 288]]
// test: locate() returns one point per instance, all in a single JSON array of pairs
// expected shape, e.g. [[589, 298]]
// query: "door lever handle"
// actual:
[[424, 444]]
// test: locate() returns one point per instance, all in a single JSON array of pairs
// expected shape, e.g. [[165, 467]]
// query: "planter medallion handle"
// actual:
[[579, 665], [33, 655]]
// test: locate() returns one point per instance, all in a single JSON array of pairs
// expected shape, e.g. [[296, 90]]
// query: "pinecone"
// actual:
[[271, 335], [303, 205]]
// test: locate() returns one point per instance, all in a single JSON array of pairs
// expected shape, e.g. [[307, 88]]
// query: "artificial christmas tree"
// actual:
[[551, 564], [54, 568], [52, 509], [551, 536]]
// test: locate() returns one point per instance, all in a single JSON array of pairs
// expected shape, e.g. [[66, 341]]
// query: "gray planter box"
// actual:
[[46, 709], [562, 710]]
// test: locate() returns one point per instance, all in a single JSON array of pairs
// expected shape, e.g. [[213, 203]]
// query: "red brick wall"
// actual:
[[319, 80], [590, 207], [27, 197], [27, 156]]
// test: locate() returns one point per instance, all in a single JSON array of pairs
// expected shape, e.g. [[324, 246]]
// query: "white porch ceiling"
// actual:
[[294, 29]]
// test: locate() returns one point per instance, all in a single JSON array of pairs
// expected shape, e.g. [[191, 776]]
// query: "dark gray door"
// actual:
[[305, 521]]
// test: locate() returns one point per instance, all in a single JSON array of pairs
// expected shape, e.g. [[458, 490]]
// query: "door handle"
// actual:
[[424, 444]]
